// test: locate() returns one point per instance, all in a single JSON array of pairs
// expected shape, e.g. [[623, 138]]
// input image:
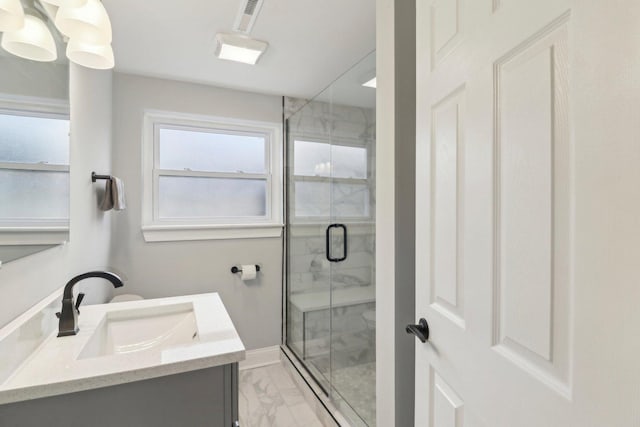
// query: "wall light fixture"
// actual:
[[33, 41], [66, 3], [11, 15], [85, 22]]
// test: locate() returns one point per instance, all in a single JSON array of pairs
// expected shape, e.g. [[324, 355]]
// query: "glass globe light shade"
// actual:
[[99, 57], [66, 3], [89, 23], [33, 41], [11, 15]]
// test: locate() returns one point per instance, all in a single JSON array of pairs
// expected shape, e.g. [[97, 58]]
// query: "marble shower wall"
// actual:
[[311, 272]]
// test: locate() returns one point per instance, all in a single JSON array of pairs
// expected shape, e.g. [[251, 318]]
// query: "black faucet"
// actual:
[[68, 324]]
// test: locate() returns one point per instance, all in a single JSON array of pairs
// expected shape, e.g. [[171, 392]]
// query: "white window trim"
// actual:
[[50, 231], [342, 141], [311, 229], [39, 235], [154, 230], [31, 105]]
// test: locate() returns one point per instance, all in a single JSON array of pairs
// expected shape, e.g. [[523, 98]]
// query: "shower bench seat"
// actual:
[[314, 301]]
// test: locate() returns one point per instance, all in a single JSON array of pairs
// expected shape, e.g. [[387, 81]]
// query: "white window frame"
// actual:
[[35, 231], [345, 142], [155, 229]]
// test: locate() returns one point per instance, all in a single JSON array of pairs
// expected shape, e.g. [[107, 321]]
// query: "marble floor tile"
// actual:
[[304, 415], [270, 398]]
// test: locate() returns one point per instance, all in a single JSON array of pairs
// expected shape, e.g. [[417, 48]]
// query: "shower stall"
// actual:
[[330, 244]]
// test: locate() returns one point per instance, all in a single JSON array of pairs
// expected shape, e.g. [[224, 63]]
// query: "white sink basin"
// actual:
[[117, 343], [142, 330]]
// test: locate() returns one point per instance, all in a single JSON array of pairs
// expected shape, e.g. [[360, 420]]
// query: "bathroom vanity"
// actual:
[[160, 362]]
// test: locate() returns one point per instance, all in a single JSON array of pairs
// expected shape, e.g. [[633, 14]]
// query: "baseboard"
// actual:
[[261, 357]]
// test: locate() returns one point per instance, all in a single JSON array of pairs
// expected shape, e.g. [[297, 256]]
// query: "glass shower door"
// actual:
[[309, 271], [352, 349], [330, 241]]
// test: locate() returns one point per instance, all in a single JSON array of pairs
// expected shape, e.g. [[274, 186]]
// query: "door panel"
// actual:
[[532, 205], [502, 93], [448, 408], [446, 28], [447, 187]]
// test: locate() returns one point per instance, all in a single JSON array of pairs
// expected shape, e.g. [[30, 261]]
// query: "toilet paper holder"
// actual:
[[235, 269]]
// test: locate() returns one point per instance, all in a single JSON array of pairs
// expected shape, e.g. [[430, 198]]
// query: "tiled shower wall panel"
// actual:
[[342, 329], [311, 272]]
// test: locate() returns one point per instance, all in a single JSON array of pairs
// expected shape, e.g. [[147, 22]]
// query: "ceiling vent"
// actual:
[[249, 10]]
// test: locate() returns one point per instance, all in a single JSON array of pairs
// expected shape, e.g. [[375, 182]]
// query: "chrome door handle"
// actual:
[[421, 330]]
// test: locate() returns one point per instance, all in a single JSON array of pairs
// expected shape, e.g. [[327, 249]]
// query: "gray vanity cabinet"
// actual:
[[200, 398]]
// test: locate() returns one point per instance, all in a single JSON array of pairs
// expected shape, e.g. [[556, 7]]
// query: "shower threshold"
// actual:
[[330, 414]]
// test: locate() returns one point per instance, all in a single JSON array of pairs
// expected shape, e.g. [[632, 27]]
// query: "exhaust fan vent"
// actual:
[[250, 7], [247, 15]]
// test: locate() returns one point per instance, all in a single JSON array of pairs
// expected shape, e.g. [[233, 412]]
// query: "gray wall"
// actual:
[[26, 281], [395, 209], [23, 77], [177, 268]]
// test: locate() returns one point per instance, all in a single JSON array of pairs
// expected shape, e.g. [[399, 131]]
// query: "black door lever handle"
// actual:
[[421, 330]]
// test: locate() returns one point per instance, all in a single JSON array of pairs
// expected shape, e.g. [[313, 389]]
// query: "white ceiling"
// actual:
[[348, 89], [311, 42]]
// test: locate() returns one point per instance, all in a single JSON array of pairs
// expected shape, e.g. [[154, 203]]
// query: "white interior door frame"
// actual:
[[395, 213]]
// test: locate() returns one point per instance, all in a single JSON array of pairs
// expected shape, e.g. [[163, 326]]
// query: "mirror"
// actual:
[[34, 147]]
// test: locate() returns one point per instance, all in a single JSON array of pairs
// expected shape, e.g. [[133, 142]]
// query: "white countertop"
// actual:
[[54, 367]]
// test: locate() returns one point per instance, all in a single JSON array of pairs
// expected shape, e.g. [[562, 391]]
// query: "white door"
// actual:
[[528, 213]]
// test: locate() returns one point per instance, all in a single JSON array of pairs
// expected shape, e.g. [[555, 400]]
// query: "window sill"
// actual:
[[33, 235], [315, 229], [176, 233]]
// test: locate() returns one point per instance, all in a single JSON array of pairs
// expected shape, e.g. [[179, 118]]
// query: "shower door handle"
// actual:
[[344, 242]]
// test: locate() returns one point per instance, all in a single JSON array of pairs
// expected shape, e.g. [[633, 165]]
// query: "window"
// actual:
[[208, 178], [330, 179], [34, 168]]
